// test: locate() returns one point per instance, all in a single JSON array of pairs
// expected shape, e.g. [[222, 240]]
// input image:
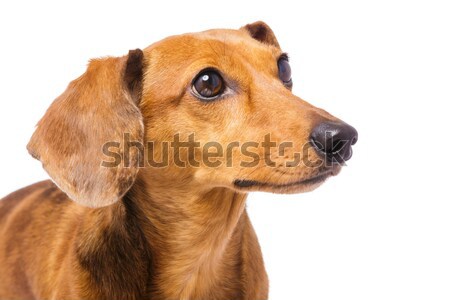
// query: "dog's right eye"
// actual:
[[208, 85]]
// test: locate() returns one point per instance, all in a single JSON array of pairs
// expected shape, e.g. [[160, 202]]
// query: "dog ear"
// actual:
[[260, 31], [98, 107]]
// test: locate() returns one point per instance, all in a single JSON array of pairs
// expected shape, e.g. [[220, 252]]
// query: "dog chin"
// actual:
[[294, 187]]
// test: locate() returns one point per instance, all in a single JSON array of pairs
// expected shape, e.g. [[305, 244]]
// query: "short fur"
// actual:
[[154, 233]]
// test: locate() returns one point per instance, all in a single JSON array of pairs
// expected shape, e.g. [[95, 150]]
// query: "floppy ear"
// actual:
[[98, 107], [260, 31]]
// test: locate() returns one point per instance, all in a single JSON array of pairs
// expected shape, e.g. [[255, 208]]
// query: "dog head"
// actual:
[[204, 110]]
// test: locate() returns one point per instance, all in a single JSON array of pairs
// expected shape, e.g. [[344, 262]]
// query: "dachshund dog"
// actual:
[[139, 220]]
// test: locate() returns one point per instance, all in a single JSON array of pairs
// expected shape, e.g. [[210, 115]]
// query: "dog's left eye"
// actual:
[[284, 70], [208, 84]]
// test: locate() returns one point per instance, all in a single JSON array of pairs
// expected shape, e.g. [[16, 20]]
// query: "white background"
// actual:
[[381, 229]]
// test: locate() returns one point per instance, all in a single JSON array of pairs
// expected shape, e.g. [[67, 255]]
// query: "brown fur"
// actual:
[[154, 233]]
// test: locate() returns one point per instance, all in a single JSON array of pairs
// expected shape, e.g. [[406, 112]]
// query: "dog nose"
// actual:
[[335, 140]]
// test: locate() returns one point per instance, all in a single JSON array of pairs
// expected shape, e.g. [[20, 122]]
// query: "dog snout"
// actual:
[[334, 140]]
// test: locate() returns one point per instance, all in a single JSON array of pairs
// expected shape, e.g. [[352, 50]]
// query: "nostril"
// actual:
[[334, 139], [337, 145]]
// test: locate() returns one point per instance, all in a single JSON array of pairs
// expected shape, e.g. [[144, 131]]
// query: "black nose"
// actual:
[[335, 140]]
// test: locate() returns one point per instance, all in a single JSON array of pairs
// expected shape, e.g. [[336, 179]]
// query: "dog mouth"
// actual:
[[303, 185]]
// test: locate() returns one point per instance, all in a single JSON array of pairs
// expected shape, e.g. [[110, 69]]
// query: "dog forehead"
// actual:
[[214, 43], [227, 36]]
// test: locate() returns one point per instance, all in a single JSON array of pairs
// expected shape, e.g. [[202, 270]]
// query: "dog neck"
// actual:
[[189, 232]]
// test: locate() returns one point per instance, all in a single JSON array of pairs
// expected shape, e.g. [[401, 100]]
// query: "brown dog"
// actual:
[[169, 231]]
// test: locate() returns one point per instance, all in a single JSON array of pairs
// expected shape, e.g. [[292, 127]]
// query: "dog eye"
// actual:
[[208, 84], [284, 70]]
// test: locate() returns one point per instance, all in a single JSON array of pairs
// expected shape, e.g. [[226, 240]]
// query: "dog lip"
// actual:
[[242, 183]]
